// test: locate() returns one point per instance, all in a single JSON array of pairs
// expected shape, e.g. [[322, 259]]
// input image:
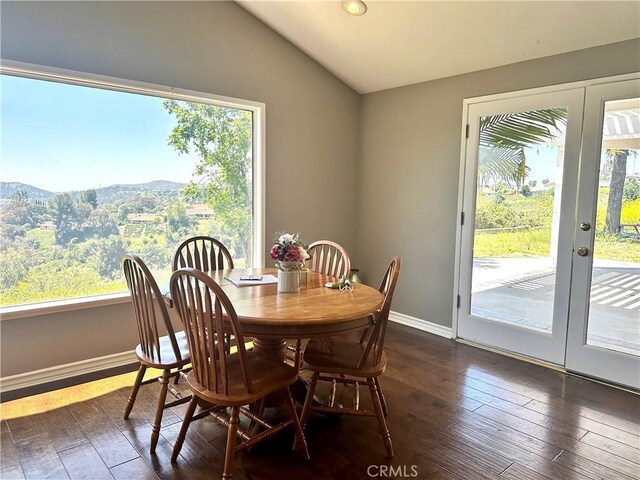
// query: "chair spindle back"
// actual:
[[329, 258], [202, 253], [145, 296], [204, 309], [376, 334]]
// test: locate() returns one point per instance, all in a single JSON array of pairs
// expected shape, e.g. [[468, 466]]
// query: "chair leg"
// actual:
[[257, 408], [298, 358], [384, 431], [299, 441], [308, 399], [383, 402], [134, 390], [231, 442], [162, 396], [191, 408]]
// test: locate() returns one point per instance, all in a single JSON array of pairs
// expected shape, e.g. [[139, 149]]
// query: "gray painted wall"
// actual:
[[409, 167], [211, 47]]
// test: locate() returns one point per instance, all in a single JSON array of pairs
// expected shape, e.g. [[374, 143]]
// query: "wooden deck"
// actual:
[[455, 412]]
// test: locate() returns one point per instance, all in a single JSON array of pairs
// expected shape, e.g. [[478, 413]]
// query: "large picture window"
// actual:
[[91, 173]]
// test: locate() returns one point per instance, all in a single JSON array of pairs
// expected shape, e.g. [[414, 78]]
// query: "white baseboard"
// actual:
[[423, 325], [68, 370]]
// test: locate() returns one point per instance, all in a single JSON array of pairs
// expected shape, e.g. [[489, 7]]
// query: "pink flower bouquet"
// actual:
[[289, 248]]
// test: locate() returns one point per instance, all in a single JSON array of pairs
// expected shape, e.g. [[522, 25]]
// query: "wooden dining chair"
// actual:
[[326, 258], [348, 361], [168, 353], [203, 253], [222, 378], [329, 258]]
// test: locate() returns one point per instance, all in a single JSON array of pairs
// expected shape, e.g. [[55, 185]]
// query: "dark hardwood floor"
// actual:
[[455, 412]]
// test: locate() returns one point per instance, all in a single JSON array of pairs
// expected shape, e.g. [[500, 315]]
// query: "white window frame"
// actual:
[[71, 77]]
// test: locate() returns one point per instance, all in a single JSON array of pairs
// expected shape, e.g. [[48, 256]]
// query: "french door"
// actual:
[[549, 182]]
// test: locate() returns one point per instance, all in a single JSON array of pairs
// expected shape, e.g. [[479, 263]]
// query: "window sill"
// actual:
[[61, 306]]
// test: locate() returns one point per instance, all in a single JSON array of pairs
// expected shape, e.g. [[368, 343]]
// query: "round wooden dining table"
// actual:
[[271, 317]]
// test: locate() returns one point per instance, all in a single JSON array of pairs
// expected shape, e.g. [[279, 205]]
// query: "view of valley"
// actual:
[[66, 245]]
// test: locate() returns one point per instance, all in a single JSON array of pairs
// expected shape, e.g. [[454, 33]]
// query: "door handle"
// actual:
[[583, 251]]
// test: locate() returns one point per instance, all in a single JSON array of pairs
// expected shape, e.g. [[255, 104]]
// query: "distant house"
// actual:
[[48, 225], [144, 218], [200, 210]]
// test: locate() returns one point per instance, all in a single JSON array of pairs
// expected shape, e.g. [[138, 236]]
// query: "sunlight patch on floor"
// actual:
[[47, 401]]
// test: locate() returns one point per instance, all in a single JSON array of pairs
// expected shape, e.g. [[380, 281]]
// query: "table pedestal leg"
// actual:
[[271, 348], [277, 348]]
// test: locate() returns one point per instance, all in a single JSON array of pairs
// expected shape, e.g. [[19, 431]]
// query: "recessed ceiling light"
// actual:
[[354, 7]]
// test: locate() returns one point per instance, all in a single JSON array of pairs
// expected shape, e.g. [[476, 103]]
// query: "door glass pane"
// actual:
[[519, 184], [614, 307]]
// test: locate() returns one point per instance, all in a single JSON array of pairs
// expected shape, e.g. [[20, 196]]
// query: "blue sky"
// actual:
[[542, 162], [63, 137]]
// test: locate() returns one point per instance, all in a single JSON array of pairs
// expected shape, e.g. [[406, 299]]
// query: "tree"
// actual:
[[64, 217], [90, 196], [101, 223], [503, 139], [20, 195], [618, 159], [69, 218], [143, 203], [17, 213], [177, 216], [109, 255], [17, 257], [526, 191], [155, 254], [123, 212], [631, 189], [222, 139]]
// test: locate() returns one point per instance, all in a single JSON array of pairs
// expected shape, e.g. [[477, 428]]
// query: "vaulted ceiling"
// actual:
[[403, 42]]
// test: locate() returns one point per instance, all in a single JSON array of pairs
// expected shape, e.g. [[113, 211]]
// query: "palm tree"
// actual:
[[503, 139]]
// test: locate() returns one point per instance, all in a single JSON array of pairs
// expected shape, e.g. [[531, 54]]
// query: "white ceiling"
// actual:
[[403, 42]]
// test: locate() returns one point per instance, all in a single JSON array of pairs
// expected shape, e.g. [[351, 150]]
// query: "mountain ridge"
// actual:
[[110, 194]]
